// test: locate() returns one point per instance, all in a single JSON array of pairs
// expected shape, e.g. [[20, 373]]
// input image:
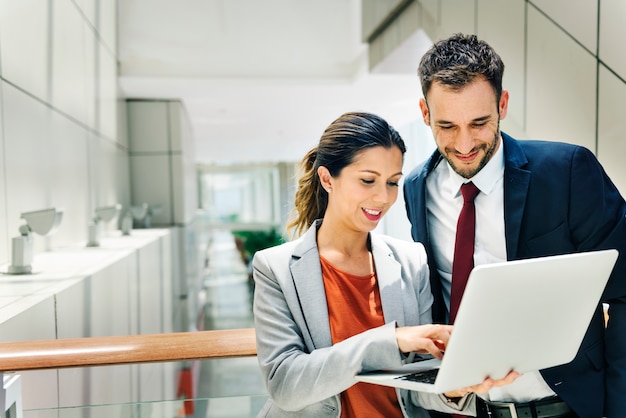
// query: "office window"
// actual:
[[236, 196]]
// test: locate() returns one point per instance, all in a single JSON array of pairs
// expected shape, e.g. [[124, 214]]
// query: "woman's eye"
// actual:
[[393, 183], [367, 181]]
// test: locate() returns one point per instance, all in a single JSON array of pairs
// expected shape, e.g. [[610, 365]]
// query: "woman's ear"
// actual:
[[325, 177]]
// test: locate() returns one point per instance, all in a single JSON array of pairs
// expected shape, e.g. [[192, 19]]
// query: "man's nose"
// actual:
[[464, 142]]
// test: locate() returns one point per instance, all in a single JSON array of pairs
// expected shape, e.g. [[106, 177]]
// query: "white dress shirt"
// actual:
[[443, 205]]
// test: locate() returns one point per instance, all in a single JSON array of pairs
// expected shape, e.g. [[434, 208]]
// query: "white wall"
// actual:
[[566, 73], [61, 143], [162, 160], [64, 144]]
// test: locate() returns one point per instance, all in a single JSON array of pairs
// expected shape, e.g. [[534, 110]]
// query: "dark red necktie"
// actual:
[[463, 247]]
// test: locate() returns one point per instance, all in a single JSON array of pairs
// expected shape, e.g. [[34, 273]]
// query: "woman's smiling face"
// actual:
[[364, 190]]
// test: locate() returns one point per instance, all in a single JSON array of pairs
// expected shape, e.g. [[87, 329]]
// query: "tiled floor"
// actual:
[[233, 388]]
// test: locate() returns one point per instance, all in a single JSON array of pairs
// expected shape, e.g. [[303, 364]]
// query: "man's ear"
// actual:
[[325, 177], [503, 106], [425, 113]]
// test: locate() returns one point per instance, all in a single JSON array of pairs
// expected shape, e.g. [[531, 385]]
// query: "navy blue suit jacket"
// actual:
[[557, 200]]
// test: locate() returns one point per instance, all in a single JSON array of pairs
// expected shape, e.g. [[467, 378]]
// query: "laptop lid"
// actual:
[[521, 315]]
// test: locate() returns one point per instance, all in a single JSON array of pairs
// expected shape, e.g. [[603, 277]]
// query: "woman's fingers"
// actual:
[[424, 339]]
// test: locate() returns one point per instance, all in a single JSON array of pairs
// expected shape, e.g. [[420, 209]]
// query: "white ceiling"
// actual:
[[260, 79]]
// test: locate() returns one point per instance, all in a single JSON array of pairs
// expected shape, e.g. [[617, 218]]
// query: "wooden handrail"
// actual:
[[107, 351], [143, 348]]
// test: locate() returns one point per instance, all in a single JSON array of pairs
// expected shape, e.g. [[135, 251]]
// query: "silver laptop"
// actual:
[[520, 315]]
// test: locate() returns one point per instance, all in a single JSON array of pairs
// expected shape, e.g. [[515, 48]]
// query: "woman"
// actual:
[[340, 300]]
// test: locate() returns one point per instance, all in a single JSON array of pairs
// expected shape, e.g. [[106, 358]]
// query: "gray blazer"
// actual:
[[304, 371]]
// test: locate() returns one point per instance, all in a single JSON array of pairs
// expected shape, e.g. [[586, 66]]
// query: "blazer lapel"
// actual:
[[306, 273], [516, 181], [420, 196], [388, 273]]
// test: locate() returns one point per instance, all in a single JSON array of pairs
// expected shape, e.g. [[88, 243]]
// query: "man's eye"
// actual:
[[445, 128]]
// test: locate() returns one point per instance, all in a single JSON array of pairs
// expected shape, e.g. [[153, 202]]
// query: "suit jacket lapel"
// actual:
[[388, 273], [516, 181], [420, 232], [306, 272], [420, 195]]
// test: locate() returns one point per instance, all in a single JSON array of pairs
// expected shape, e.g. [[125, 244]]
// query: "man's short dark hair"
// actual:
[[458, 60]]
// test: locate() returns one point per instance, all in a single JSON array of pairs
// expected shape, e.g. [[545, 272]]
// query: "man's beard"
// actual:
[[469, 173]]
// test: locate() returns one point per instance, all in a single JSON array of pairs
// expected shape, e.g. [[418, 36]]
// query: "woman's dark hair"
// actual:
[[339, 145]]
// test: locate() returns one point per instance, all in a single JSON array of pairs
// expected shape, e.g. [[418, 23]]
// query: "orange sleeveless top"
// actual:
[[354, 306]]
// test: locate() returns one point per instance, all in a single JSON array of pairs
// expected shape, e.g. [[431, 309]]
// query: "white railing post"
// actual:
[[11, 396]]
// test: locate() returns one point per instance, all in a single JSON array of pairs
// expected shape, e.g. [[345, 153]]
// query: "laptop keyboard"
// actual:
[[427, 376]]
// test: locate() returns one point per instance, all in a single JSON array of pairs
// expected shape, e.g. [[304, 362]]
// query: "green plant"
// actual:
[[255, 240]]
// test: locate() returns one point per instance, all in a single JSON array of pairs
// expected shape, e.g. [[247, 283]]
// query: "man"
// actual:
[[534, 199]]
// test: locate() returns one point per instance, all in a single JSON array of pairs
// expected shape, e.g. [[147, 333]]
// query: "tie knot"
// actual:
[[469, 191]]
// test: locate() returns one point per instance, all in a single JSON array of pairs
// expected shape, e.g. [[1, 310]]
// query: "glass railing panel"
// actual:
[[223, 407]]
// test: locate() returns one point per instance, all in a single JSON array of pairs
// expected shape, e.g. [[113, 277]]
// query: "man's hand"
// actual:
[[485, 386]]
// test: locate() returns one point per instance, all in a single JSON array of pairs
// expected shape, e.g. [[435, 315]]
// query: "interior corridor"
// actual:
[[227, 388]]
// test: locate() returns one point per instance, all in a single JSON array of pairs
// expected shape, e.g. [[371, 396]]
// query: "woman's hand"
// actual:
[[485, 386], [424, 339]]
